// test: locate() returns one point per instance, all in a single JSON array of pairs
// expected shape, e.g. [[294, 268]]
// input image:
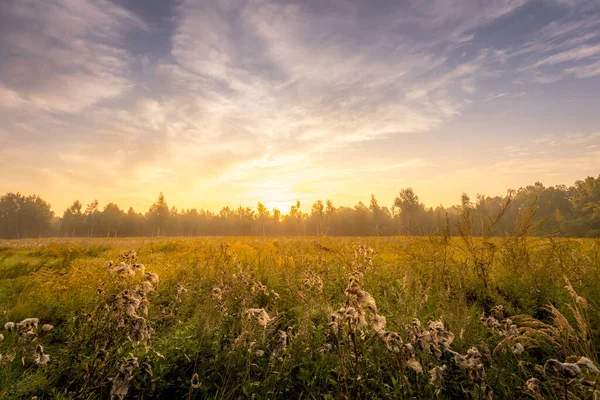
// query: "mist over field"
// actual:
[[572, 211]]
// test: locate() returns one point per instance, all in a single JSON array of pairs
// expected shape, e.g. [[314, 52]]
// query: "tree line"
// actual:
[[572, 211]]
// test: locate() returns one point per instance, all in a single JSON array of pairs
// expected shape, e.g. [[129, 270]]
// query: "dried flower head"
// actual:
[[195, 382], [378, 323], [152, 277], [517, 349], [566, 370], [533, 385], [436, 375], [28, 323], [261, 316], [40, 358], [587, 364]]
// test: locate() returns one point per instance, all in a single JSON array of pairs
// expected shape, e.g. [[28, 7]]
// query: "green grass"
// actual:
[[193, 328]]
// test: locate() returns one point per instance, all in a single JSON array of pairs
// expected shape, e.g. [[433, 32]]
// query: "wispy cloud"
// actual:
[[249, 99]]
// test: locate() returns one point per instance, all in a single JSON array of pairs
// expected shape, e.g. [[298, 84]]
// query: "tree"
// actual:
[[263, 216], [296, 215], [73, 221], [92, 217], [408, 205], [158, 215], [379, 215], [22, 216], [317, 215], [111, 219]]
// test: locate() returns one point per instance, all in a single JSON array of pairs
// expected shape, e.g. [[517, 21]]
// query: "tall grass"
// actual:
[[404, 317]]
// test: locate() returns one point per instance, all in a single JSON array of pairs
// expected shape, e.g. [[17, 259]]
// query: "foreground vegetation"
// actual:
[[397, 317]]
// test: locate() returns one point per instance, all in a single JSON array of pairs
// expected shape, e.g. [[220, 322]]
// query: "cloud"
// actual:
[[560, 49], [585, 71], [504, 95], [301, 84], [576, 54], [259, 97], [63, 55], [568, 139]]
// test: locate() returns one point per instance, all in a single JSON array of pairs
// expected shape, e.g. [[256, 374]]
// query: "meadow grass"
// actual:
[[360, 317]]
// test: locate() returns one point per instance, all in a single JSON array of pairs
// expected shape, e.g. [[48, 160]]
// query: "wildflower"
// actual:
[[586, 363], [139, 331], [282, 341], [518, 349], [47, 327], [490, 322], [28, 323], [498, 311], [40, 358], [9, 326], [129, 255], [195, 381], [180, 290], [415, 365], [147, 287], [139, 267], [533, 385], [216, 293], [108, 264], [152, 277], [121, 269], [361, 321], [10, 357], [471, 362], [144, 308], [441, 338], [378, 323], [260, 314], [393, 341], [435, 375], [473, 353], [130, 310], [120, 383], [335, 323], [365, 300], [567, 370], [313, 282]]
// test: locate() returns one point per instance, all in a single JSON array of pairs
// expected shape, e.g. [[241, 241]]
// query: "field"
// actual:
[[363, 317]]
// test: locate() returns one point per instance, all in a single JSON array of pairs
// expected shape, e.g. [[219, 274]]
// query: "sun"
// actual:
[[272, 193]]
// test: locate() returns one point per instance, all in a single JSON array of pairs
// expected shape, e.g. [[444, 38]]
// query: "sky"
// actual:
[[231, 102]]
